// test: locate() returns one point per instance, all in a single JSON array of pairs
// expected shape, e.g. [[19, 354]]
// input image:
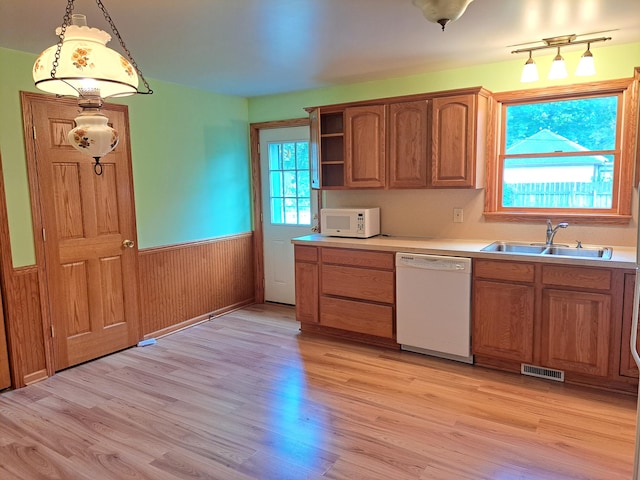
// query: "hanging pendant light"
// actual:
[[558, 68], [81, 65], [529, 71], [83, 61], [92, 135], [586, 66]]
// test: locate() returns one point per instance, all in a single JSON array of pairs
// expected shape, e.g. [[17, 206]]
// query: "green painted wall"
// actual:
[[190, 148], [611, 62], [190, 157]]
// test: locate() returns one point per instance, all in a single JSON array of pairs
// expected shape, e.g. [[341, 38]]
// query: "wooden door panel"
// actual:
[[106, 195], [112, 282], [74, 306], [91, 276], [66, 198]]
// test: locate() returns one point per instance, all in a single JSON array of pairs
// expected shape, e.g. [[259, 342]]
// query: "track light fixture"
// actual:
[[558, 70]]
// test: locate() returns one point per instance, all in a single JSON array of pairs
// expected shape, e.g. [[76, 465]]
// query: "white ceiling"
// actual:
[[257, 47]]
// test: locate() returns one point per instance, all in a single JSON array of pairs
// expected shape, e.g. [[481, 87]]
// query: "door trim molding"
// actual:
[[256, 192], [27, 99]]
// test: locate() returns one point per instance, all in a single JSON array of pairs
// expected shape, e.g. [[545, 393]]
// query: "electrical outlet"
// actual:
[[457, 215]]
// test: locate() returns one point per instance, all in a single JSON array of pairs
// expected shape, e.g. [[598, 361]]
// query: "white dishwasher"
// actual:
[[433, 305]]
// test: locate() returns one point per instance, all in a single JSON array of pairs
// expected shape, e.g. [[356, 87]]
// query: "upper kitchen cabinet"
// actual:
[[364, 154], [326, 140], [408, 144], [430, 140], [459, 130]]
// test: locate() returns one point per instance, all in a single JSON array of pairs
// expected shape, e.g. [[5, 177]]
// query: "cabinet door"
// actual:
[[453, 135], [408, 140], [503, 320], [575, 331], [307, 291], [314, 147], [628, 366], [365, 147]]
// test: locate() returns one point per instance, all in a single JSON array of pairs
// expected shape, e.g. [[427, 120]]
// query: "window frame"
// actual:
[[621, 208]]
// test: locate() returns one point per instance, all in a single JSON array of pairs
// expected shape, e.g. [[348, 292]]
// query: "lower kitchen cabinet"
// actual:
[[628, 366], [576, 324], [576, 330], [503, 310], [350, 294], [503, 320], [559, 317], [306, 271]]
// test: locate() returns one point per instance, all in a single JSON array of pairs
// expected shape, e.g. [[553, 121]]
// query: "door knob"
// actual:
[[128, 244]]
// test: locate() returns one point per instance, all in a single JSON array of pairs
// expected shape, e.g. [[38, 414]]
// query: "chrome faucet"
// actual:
[[551, 230]]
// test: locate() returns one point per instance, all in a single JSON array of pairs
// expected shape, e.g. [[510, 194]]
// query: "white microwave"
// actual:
[[350, 222]]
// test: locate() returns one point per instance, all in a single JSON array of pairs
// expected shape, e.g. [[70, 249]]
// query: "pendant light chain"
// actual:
[[124, 47], [65, 23]]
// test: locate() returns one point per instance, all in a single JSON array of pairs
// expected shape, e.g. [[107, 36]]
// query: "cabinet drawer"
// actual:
[[595, 278], [361, 283], [504, 270], [358, 317], [306, 254], [358, 258]]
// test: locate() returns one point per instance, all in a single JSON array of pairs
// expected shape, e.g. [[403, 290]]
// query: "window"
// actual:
[[561, 153], [290, 183]]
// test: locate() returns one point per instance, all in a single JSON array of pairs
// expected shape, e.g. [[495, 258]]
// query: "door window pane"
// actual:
[[290, 187]]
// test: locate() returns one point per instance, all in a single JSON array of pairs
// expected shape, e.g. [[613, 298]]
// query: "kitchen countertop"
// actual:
[[623, 257]]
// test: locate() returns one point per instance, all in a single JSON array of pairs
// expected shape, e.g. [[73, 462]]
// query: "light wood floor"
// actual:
[[244, 396]]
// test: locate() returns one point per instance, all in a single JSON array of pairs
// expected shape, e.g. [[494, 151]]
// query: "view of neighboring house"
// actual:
[[588, 168]]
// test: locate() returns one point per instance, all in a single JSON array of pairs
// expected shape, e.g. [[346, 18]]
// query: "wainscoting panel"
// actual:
[[184, 284]]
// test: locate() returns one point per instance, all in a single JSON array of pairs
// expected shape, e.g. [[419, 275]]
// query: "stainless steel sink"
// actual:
[[514, 247], [602, 253]]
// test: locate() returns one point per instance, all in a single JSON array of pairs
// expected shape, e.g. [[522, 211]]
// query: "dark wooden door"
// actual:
[[89, 236]]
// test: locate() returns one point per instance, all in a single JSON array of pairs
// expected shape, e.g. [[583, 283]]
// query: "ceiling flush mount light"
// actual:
[[81, 65], [442, 11], [558, 69]]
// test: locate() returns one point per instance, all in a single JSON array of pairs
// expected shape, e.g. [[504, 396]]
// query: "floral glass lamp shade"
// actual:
[[81, 65], [93, 136], [85, 62]]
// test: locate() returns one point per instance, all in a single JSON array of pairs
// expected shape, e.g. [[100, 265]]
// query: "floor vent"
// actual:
[[533, 371]]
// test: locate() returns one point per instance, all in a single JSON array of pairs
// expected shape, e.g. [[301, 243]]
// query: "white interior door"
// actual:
[[289, 206]]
